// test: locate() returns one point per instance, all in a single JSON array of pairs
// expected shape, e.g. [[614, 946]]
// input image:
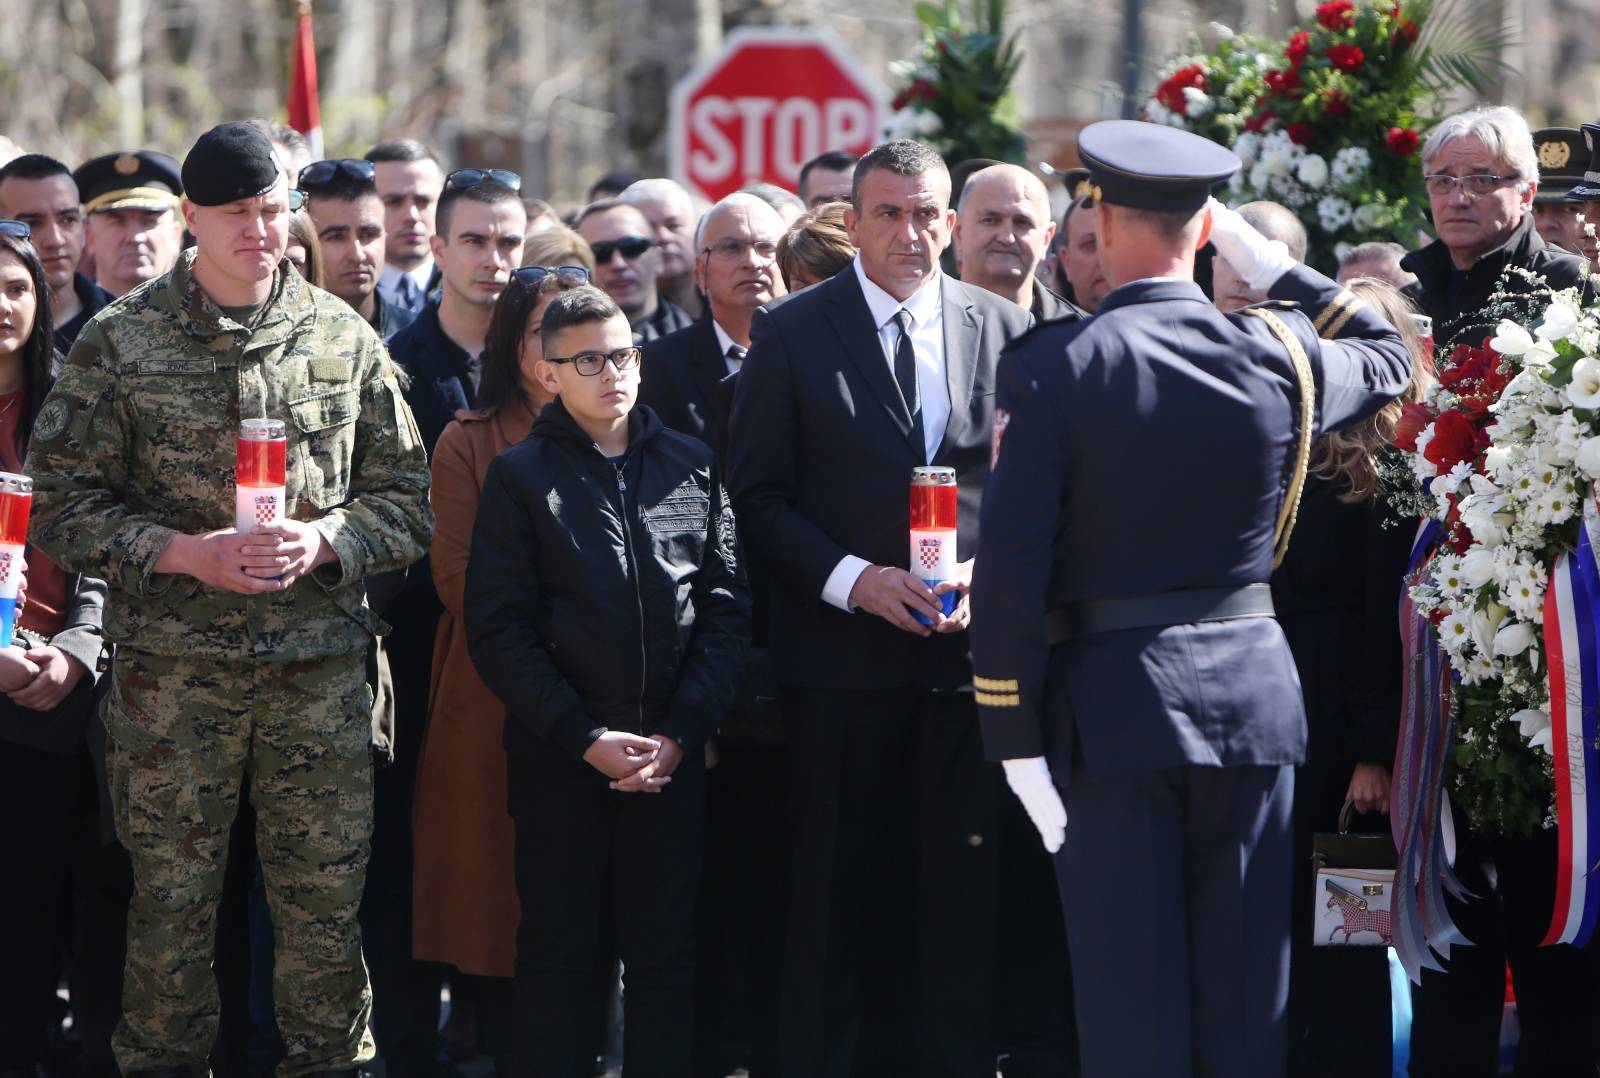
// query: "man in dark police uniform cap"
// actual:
[[130, 207], [1562, 155], [1125, 654], [237, 653]]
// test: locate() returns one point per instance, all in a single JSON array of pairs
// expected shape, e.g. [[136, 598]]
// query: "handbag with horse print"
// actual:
[[1353, 887]]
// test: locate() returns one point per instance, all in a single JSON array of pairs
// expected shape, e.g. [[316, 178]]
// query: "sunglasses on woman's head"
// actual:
[[566, 276]]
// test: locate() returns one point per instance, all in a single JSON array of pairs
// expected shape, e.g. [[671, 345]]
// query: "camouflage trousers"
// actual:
[[182, 734]]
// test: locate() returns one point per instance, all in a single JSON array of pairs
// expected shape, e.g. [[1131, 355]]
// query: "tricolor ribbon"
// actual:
[[1422, 922], [1572, 654]]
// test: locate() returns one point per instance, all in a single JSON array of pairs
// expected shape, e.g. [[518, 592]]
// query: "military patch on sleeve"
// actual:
[[330, 369], [52, 421], [1002, 419]]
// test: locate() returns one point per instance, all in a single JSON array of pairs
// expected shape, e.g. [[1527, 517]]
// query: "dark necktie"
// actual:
[[409, 293], [905, 372], [736, 356]]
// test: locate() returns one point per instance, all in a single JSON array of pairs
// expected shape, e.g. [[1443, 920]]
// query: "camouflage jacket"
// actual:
[[136, 443]]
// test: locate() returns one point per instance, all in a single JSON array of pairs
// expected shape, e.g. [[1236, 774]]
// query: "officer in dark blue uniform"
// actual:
[[1129, 672]]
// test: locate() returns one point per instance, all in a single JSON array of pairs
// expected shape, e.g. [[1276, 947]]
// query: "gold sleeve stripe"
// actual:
[[1342, 300], [996, 684], [989, 699], [1339, 323]]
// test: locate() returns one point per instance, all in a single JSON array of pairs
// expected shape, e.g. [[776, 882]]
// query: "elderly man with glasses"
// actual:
[[1482, 174]]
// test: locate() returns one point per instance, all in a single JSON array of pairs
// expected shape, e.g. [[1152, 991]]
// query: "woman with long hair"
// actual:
[[465, 906], [1336, 595], [47, 680]]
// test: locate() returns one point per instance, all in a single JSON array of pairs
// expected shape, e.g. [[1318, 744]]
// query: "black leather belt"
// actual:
[[1093, 616]]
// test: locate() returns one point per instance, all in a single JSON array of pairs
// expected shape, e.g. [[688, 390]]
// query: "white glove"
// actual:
[[1030, 780], [1256, 259]]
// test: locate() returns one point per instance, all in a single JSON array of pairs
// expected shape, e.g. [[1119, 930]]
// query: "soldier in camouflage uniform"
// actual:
[[237, 654]]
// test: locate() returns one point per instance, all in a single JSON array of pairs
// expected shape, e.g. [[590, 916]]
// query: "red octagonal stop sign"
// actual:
[[771, 100]]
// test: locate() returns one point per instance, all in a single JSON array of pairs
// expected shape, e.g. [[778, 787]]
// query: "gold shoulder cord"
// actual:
[[1308, 389]]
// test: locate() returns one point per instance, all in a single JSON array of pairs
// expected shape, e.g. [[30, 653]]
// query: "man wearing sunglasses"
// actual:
[[342, 199], [627, 264], [1482, 176], [237, 653], [670, 211]]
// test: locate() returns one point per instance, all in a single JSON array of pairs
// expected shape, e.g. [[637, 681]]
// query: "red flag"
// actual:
[[305, 116]]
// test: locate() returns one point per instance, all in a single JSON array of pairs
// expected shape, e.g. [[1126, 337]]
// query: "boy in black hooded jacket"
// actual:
[[606, 607]]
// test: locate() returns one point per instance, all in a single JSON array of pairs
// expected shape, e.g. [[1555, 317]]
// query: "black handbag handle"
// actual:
[[1345, 813]]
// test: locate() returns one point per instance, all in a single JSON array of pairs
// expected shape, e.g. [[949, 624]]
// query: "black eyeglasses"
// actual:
[[17, 230], [566, 276], [319, 173], [630, 246], [463, 178], [590, 364]]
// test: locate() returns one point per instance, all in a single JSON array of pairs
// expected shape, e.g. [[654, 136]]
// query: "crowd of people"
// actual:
[[611, 703]]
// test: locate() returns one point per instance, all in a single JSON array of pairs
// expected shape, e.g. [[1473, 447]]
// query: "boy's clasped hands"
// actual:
[[635, 764]]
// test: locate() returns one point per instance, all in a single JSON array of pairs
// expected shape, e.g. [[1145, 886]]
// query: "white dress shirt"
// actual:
[[726, 342], [389, 277], [926, 307]]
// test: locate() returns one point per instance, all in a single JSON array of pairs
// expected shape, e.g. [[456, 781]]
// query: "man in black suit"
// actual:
[[735, 265], [688, 380], [848, 387]]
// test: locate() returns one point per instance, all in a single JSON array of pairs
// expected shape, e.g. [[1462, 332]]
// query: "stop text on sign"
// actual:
[[730, 130]]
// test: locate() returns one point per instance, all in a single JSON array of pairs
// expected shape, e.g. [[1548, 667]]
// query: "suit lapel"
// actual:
[[856, 331], [707, 367], [963, 332]]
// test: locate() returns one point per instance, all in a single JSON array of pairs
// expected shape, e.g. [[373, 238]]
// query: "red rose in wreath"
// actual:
[[1347, 58]]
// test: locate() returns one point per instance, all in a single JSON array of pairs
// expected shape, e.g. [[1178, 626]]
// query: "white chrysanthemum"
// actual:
[[1333, 213], [1259, 176], [1246, 146], [1195, 102], [1479, 669], [1312, 170], [1156, 112], [1446, 574], [1350, 165], [1455, 631], [1278, 160]]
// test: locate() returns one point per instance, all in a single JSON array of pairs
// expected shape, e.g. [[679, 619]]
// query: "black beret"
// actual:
[[231, 161], [1587, 189], [1561, 159], [128, 180], [1147, 166]]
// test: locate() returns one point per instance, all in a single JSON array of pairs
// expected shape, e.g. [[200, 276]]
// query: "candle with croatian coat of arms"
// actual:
[[16, 503], [262, 453], [933, 531]]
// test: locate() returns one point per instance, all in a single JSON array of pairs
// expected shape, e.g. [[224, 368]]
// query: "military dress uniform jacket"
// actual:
[[1142, 451], [136, 443]]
